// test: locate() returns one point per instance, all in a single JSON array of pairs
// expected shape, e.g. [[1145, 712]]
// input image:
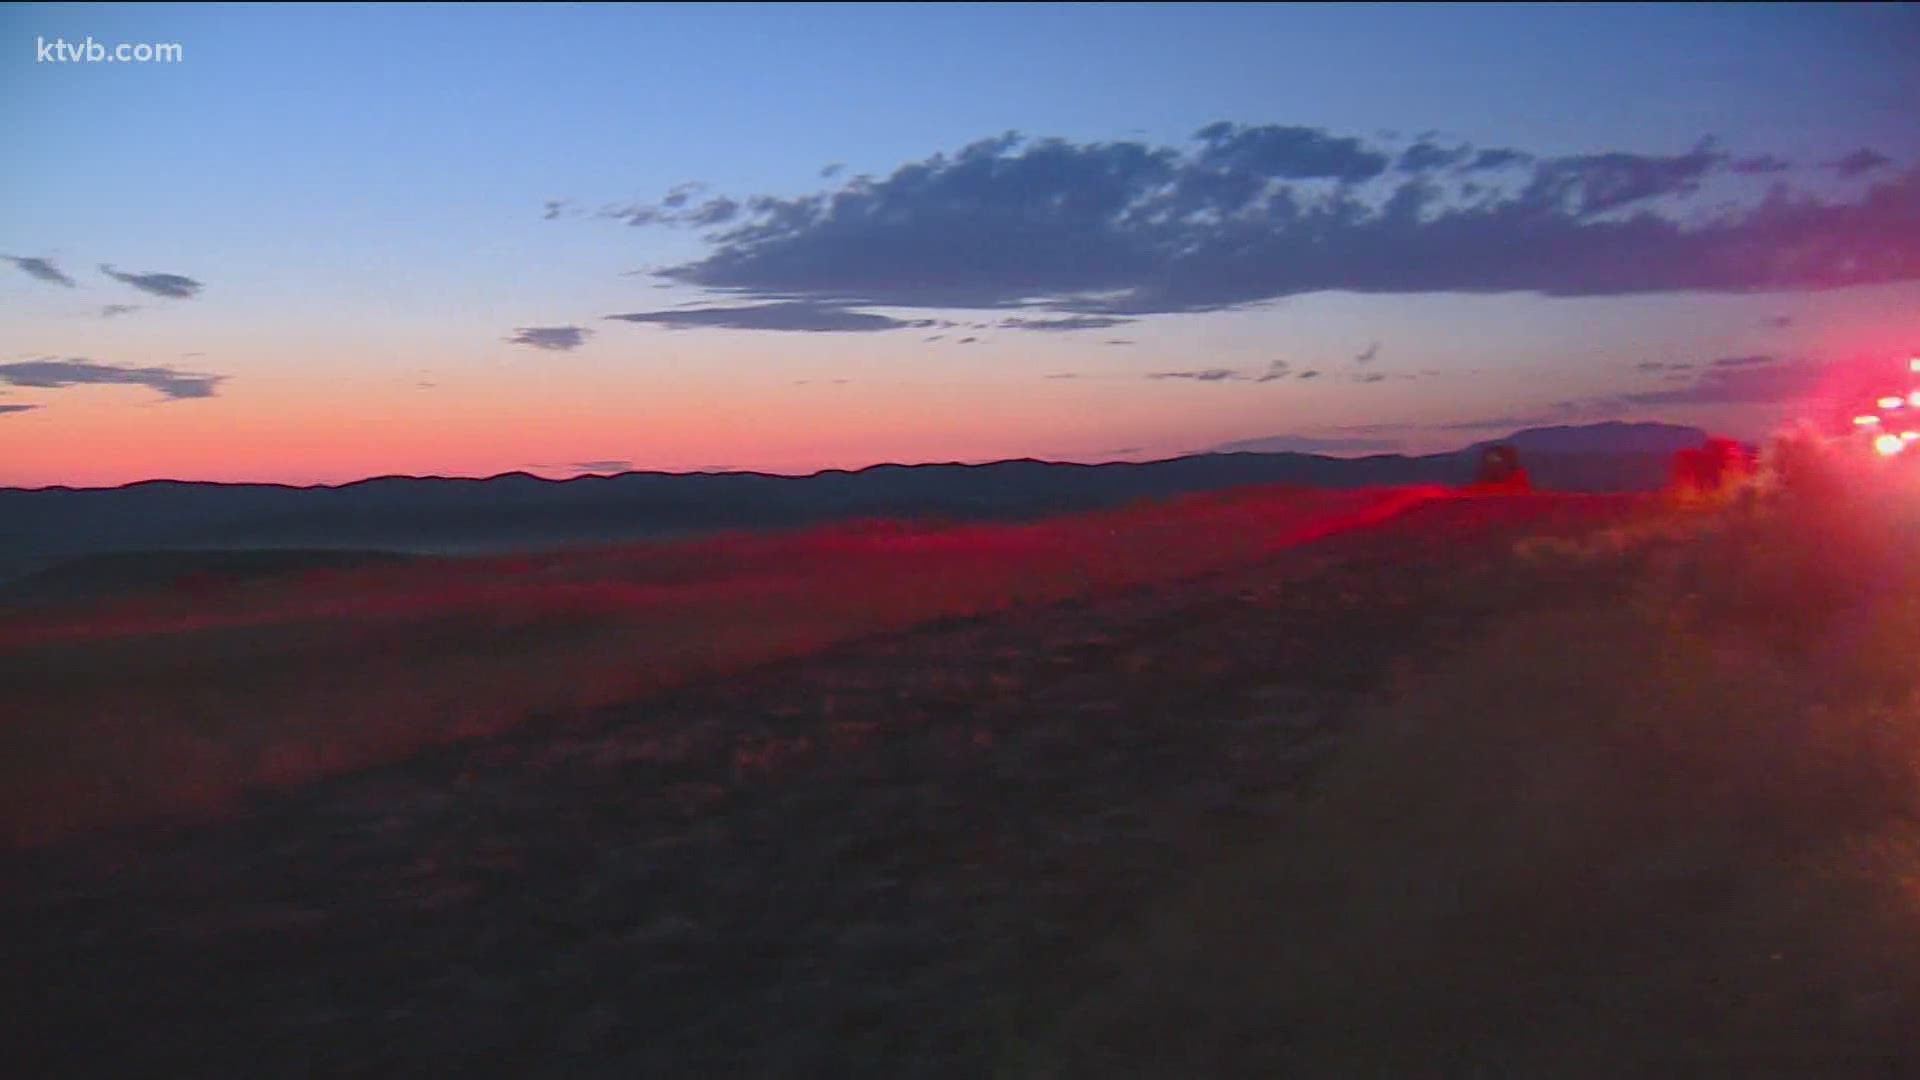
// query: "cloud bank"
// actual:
[[1247, 214]]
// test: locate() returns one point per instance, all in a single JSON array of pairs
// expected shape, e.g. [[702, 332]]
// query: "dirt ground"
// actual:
[[865, 862]]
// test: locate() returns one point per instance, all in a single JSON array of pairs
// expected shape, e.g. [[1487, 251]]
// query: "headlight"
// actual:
[[1889, 445], [1892, 402], [1868, 420]]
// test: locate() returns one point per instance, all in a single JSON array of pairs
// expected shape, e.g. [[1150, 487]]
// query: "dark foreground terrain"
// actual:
[[868, 862]]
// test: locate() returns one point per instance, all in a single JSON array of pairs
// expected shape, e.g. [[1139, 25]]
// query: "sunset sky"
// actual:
[[342, 242]]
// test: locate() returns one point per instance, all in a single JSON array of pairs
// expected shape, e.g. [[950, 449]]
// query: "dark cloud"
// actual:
[[679, 194], [557, 338], [169, 285], [637, 214], [1743, 361], [1587, 184], [1068, 322], [1201, 375], [1287, 153], [1760, 165], [1063, 375], [110, 310], [830, 171], [53, 374], [1309, 374], [1859, 163], [715, 212], [1499, 158], [1372, 377], [5, 409], [1118, 341], [967, 341], [1251, 214], [1425, 156], [554, 208], [615, 465], [1311, 444], [1765, 384], [1662, 365], [1369, 354], [1278, 369], [796, 316], [40, 268]]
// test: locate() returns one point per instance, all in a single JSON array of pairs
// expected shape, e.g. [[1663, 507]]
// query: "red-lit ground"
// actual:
[[1518, 785], [176, 700]]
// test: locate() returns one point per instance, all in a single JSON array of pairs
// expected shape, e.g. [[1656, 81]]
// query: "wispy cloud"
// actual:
[[1312, 444], [9, 409], [554, 338], [1369, 354], [797, 316], [172, 286], [1064, 323], [110, 310], [40, 268], [1201, 375], [612, 465], [1742, 384], [1859, 163], [55, 374]]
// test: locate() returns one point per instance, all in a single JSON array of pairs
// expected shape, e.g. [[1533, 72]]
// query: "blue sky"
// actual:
[[373, 203]]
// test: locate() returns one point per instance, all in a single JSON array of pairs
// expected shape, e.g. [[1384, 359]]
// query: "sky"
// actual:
[[326, 243]]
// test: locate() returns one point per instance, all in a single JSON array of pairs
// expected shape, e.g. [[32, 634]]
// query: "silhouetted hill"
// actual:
[[1608, 437], [455, 515]]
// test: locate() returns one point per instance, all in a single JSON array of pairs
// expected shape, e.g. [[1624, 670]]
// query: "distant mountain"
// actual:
[[440, 516], [1608, 437]]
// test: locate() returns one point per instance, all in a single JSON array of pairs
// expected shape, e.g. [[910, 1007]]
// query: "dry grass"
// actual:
[[180, 701], [1679, 835]]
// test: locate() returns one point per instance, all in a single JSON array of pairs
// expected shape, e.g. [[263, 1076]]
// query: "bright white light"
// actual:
[[1866, 420], [1913, 399], [1892, 402], [1888, 445], [1914, 364], [1909, 436]]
